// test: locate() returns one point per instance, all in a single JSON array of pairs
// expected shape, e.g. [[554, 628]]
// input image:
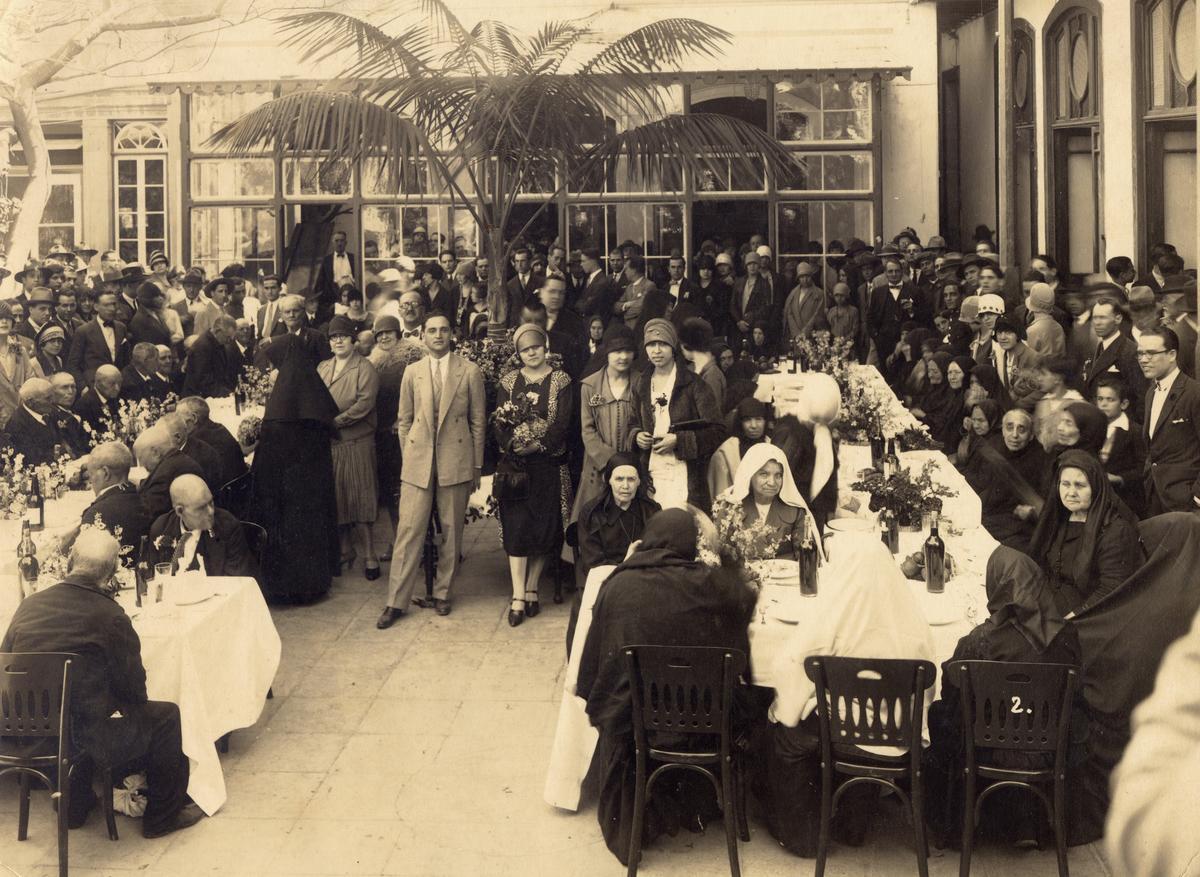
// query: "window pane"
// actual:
[[308, 176], [1062, 72], [587, 226], [222, 235], [1158, 59], [848, 219], [591, 181], [807, 178], [666, 229], [126, 172], [154, 172], [155, 225], [127, 198], [55, 237], [418, 232], [154, 198], [849, 171], [799, 227], [1184, 41], [411, 178], [60, 208], [127, 225], [128, 251], [798, 111], [466, 234], [233, 178], [742, 179], [208, 112]]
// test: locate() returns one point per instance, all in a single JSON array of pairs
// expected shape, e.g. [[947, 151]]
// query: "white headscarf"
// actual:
[[756, 457], [872, 613]]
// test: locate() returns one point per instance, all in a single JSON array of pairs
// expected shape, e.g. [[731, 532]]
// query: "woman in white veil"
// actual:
[[764, 490]]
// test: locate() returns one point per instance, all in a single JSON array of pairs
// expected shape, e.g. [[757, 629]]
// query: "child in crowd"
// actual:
[[1124, 451], [1052, 375], [843, 317]]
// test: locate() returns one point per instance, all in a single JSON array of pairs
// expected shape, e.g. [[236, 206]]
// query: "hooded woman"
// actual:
[[1023, 626], [749, 427], [871, 614], [661, 595], [293, 492], [763, 490], [1086, 539], [983, 431], [939, 406], [1017, 468], [1079, 425]]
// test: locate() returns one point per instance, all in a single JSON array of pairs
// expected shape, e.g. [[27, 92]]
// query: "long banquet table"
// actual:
[[950, 615]]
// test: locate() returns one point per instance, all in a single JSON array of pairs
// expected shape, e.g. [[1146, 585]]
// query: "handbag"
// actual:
[[510, 483]]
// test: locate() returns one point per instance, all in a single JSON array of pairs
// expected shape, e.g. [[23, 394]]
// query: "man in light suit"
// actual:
[[1172, 426], [442, 422], [268, 322]]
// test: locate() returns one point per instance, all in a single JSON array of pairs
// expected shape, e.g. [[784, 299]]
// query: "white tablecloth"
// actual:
[[216, 659]]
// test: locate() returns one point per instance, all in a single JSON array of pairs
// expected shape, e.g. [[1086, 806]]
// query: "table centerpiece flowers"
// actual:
[[742, 545], [906, 496]]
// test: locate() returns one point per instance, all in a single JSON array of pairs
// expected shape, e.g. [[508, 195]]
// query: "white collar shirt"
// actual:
[[1162, 387]]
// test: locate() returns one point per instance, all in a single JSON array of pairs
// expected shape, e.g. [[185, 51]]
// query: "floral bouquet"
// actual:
[[249, 430], [133, 418], [821, 352], [917, 439], [255, 385], [901, 494], [56, 557], [519, 417], [12, 486], [745, 545]]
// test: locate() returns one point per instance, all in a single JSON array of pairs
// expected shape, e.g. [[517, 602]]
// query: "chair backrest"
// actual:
[[256, 539], [870, 701], [682, 689], [234, 496], [35, 693], [1015, 706]]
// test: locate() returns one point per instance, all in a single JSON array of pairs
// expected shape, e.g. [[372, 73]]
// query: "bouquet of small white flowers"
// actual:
[[255, 385], [132, 419]]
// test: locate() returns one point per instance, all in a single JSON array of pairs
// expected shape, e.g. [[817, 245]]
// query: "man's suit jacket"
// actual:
[[95, 411], [26, 329], [444, 296], [89, 351], [155, 489], [136, 388], [126, 308], [120, 507], [147, 326], [885, 315], [759, 305], [1019, 380], [223, 548], [216, 436], [453, 435], [210, 370], [635, 292], [1045, 336], [70, 430], [208, 460], [108, 674], [34, 441], [569, 338], [326, 284], [518, 292], [598, 297], [1173, 451], [316, 345], [1119, 358], [277, 326]]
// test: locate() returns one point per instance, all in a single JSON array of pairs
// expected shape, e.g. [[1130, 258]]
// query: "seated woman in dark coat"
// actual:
[[1011, 497], [1086, 540], [1024, 626], [940, 407], [984, 420], [763, 490], [661, 595]]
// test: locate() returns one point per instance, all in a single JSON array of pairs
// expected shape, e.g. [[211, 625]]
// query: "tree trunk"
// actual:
[[23, 240], [497, 294]]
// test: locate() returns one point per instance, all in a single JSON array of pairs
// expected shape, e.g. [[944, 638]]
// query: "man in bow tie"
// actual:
[[1171, 425], [99, 342], [197, 536], [893, 302]]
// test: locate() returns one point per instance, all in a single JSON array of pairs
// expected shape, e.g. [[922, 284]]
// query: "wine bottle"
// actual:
[[239, 399], [27, 562], [35, 504], [807, 558], [877, 451], [889, 531], [891, 462], [139, 573], [935, 560]]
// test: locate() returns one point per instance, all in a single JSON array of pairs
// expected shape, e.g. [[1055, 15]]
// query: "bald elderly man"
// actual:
[[195, 535], [111, 715], [157, 451], [101, 402], [117, 505], [32, 427]]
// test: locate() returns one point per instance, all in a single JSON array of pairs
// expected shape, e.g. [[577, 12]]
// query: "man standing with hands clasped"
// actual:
[[442, 423]]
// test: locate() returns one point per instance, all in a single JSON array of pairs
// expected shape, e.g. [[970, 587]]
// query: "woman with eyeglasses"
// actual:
[[532, 485]]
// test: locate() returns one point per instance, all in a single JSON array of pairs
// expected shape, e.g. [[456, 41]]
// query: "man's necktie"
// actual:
[[436, 369], [1099, 351]]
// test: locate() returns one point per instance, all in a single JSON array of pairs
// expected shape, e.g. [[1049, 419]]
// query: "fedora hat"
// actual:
[[133, 273]]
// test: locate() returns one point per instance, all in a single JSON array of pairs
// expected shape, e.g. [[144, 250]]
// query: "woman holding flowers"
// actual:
[[765, 506], [533, 409]]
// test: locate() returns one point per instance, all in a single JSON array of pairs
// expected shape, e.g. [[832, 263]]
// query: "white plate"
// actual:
[[192, 598], [848, 525]]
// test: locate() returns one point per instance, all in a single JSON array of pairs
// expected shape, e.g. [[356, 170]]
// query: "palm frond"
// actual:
[[699, 142], [445, 22], [335, 126], [660, 45], [370, 51], [496, 46], [551, 45]]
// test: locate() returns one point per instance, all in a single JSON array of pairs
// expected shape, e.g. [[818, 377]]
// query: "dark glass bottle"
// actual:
[[889, 531], [807, 558], [891, 462], [27, 562], [140, 566], [935, 561], [239, 399], [877, 451], [35, 504]]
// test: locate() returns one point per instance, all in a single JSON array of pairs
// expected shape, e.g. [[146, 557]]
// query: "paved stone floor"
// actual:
[[421, 750]]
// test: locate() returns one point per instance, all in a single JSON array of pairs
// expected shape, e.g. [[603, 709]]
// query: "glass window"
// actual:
[[308, 177], [832, 172], [61, 218], [807, 227], [417, 231], [210, 112], [411, 178], [232, 178], [139, 137], [141, 206], [730, 176], [657, 228], [1170, 47], [832, 110], [223, 235]]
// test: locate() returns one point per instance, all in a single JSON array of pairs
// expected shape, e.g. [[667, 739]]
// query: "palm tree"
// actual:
[[495, 113]]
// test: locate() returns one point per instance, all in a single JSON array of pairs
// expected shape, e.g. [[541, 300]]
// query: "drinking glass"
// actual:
[[162, 572]]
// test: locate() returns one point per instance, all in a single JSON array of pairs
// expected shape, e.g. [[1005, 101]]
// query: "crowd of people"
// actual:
[[625, 418]]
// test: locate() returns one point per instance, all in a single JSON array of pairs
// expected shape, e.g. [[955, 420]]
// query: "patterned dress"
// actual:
[[534, 526]]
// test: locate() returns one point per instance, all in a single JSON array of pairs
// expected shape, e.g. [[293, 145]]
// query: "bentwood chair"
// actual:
[[35, 699], [1015, 707], [870, 702], [686, 691], [256, 540], [234, 496]]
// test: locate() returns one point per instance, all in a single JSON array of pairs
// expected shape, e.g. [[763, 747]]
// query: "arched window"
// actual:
[[1025, 160], [1166, 47], [140, 196], [1072, 57]]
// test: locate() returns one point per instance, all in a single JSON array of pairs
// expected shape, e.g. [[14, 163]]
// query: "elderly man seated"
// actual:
[[32, 428], [196, 414], [100, 402], [195, 535], [202, 452], [67, 422], [116, 506], [140, 380], [157, 451], [113, 720]]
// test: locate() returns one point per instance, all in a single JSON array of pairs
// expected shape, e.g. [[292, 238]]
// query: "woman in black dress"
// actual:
[[532, 526], [293, 493], [1086, 539]]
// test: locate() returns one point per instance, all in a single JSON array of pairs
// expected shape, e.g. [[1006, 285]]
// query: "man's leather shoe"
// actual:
[[187, 816], [442, 607], [425, 602], [388, 617]]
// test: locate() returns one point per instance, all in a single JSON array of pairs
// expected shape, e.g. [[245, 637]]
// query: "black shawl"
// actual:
[[299, 393]]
